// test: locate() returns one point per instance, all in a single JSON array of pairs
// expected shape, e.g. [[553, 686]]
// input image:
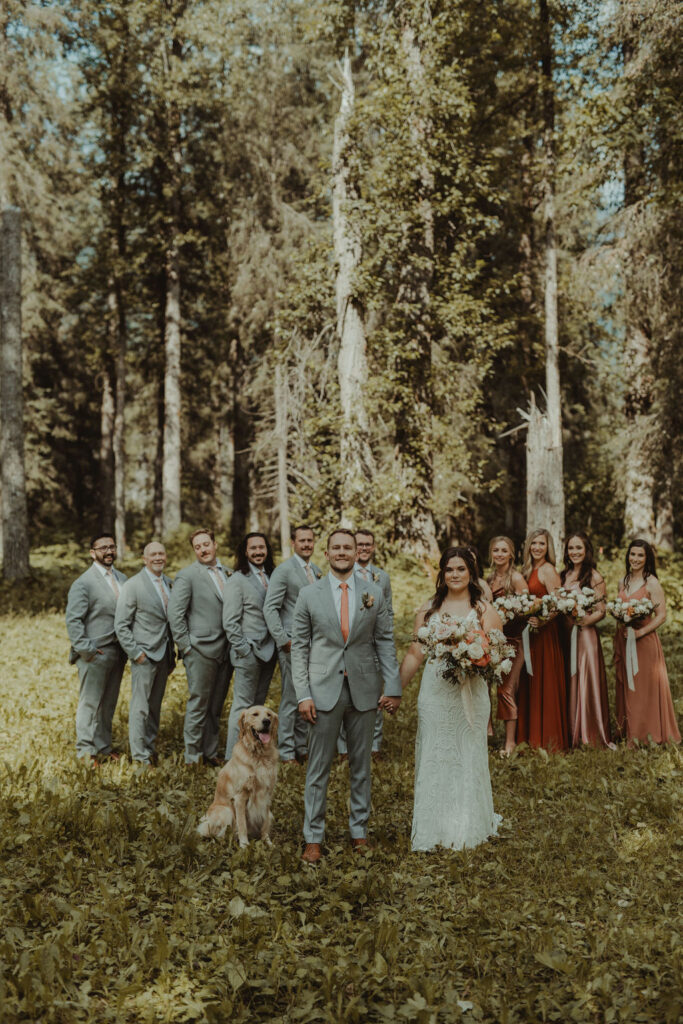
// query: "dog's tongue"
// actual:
[[264, 737]]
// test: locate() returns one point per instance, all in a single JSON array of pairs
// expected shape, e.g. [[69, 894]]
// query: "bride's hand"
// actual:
[[389, 704]]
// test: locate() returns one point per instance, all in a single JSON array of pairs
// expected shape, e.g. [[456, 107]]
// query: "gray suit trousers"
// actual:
[[292, 731], [322, 745], [100, 682], [207, 682], [376, 736], [252, 682], [148, 685]]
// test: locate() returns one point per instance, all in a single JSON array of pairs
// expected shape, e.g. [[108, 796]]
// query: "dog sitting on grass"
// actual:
[[245, 785]]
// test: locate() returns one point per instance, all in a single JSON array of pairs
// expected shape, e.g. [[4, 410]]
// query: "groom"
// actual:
[[342, 629]]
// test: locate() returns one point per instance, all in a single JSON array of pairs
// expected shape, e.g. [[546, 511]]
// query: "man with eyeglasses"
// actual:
[[95, 650]]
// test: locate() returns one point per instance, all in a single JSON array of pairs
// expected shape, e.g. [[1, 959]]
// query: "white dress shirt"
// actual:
[[257, 570], [304, 565], [212, 576], [337, 595], [109, 577], [153, 576]]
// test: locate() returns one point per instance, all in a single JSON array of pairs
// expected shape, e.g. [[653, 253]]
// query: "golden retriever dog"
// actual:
[[245, 784]]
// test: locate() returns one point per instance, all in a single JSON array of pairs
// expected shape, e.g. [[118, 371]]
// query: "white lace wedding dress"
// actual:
[[453, 804]]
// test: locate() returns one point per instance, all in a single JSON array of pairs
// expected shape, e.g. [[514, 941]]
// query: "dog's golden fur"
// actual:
[[244, 788]]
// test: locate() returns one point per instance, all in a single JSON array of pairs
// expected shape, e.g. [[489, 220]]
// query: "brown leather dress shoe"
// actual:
[[311, 854], [214, 762], [359, 844]]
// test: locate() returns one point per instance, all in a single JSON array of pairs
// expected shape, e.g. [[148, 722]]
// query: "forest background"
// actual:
[[293, 261]]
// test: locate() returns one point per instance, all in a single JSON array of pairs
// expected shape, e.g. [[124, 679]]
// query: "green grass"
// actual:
[[112, 909]]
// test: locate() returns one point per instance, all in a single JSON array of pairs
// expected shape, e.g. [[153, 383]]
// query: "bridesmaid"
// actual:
[[646, 712], [542, 696], [503, 581], [588, 703]]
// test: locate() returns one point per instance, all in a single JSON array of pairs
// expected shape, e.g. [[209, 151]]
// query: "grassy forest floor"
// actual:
[[112, 909]]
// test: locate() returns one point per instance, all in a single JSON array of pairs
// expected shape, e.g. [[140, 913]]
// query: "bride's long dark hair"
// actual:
[[441, 588]]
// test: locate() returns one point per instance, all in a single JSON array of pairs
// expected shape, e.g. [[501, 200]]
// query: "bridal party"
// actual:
[[521, 639]]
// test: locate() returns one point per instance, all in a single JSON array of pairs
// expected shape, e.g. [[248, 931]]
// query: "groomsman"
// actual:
[[90, 611], [142, 628], [251, 646], [195, 615], [342, 648], [278, 610], [369, 572]]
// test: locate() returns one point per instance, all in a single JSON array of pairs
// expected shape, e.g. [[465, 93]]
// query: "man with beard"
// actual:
[[195, 612], [252, 648], [95, 650]]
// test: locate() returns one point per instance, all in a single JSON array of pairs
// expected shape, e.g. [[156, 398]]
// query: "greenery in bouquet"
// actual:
[[631, 612]]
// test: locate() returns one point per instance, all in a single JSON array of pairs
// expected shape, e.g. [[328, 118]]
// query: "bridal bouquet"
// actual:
[[629, 612], [464, 651], [576, 603]]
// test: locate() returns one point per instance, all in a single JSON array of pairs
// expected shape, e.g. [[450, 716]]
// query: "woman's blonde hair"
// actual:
[[507, 579], [527, 567]]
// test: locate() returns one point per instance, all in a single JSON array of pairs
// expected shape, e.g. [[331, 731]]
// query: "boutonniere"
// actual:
[[375, 576], [318, 575], [367, 599]]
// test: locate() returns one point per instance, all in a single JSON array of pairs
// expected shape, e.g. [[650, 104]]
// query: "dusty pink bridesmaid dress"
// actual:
[[646, 712], [588, 702]]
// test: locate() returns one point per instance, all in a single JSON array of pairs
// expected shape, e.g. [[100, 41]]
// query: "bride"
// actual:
[[453, 804]]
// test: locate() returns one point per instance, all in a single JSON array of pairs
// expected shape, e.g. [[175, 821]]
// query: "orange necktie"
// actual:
[[345, 610]]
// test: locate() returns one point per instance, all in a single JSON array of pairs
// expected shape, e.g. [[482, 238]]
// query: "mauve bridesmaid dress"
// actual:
[[588, 702], [647, 712], [507, 688], [542, 697]]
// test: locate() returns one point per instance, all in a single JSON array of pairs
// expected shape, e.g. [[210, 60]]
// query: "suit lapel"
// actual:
[[258, 587], [328, 606], [205, 575], [357, 610], [152, 591]]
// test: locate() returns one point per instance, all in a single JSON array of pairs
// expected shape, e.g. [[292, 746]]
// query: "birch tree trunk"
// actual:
[[158, 491], [171, 512], [664, 523], [413, 434], [15, 547], [640, 422], [545, 483], [281, 441], [356, 461], [117, 334], [241, 433], [107, 414]]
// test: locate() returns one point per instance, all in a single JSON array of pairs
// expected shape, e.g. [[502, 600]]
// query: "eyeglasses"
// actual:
[[106, 547]]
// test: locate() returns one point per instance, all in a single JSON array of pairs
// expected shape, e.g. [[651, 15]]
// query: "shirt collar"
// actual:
[[336, 583], [301, 561], [102, 568], [153, 575], [257, 570]]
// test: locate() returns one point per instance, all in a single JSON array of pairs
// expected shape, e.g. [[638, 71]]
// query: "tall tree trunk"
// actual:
[[117, 333], [241, 428], [641, 434], [356, 461], [171, 513], [664, 525], [281, 441], [107, 414], [15, 548], [549, 513], [158, 499], [413, 429]]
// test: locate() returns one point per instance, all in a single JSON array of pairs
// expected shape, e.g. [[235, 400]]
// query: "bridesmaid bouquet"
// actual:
[[629, 612], [576, 603], [523, 606], [464, 651]]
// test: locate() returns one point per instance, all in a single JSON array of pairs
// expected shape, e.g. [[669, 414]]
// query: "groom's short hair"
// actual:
[[341, 529]]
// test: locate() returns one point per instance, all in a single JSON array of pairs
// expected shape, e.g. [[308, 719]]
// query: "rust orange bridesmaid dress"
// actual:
[[588, 702], [542, 696], [507, 688], [647, 711]]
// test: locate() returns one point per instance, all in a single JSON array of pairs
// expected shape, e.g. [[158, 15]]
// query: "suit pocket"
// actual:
[[317, 671]]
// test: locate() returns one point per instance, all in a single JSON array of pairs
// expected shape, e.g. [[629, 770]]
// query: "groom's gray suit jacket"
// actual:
[[321, 658]]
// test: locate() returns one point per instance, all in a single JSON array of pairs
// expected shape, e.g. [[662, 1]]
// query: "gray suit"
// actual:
[[278, 610], [344, 679], [142, 628], [195, 615], [381, 579], [90, 611], [252, 648]]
